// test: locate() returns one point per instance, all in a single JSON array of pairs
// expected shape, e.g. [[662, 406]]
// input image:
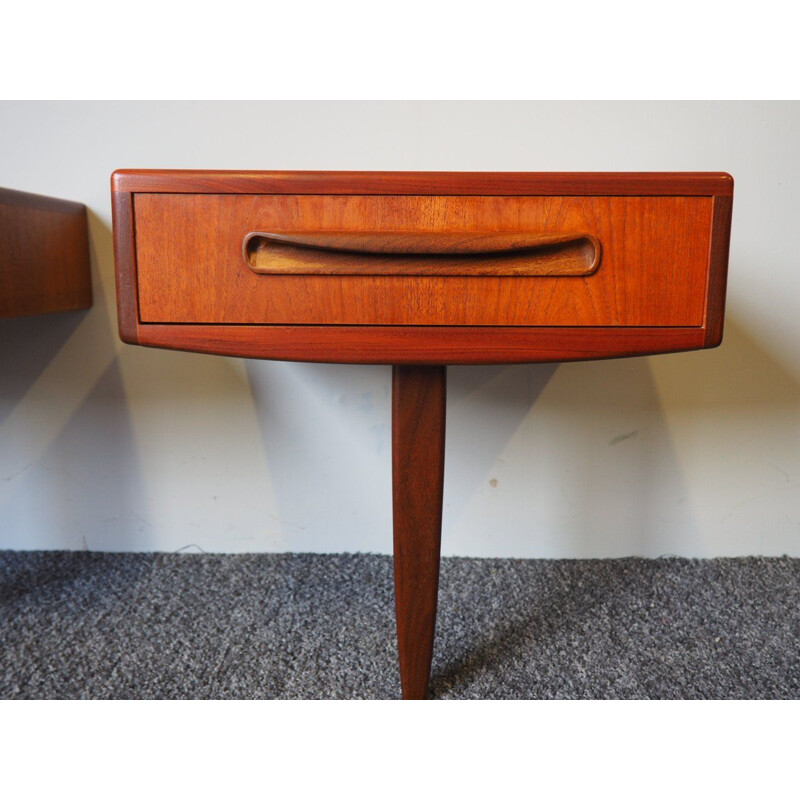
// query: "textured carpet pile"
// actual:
[[91, 625]]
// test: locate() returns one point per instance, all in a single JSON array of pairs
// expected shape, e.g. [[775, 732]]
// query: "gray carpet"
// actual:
[[91, 625]]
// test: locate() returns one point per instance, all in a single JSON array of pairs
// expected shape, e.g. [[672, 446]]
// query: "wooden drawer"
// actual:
[[649, 267], [554, 266]]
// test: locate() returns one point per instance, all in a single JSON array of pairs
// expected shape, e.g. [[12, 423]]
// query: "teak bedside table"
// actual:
[[44, 255], [421, 270]]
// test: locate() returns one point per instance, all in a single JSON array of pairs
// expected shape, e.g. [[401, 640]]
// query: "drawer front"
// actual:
[[650, 268]]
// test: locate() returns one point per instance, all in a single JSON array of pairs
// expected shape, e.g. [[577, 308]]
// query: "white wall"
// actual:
[[110, 447]]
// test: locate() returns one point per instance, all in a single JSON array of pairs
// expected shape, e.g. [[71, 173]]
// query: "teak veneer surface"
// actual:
[[652, 270], [201, 181], [391, 344], [44, 255], [412, 253], [418, 426]]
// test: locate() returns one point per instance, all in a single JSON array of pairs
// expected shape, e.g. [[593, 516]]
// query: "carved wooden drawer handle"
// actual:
[[400, 253]]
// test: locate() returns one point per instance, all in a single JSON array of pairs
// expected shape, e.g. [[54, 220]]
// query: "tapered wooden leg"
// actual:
[[418, 421]]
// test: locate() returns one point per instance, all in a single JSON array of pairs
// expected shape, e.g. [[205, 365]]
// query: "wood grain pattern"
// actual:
[[418, 345], [44, 255], [418, 427], [125, 262], [424, 183], [403, 253], [718, 270], [654, 261]]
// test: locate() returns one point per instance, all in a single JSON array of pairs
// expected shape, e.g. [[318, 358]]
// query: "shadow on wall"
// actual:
[[109, 447], [590, 458], [326, 433], [27, 346], [593, 446], [67, 453], [743, 372], [486, 407]]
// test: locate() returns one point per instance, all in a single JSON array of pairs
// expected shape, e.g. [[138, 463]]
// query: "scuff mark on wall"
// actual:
[[622, 437]]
